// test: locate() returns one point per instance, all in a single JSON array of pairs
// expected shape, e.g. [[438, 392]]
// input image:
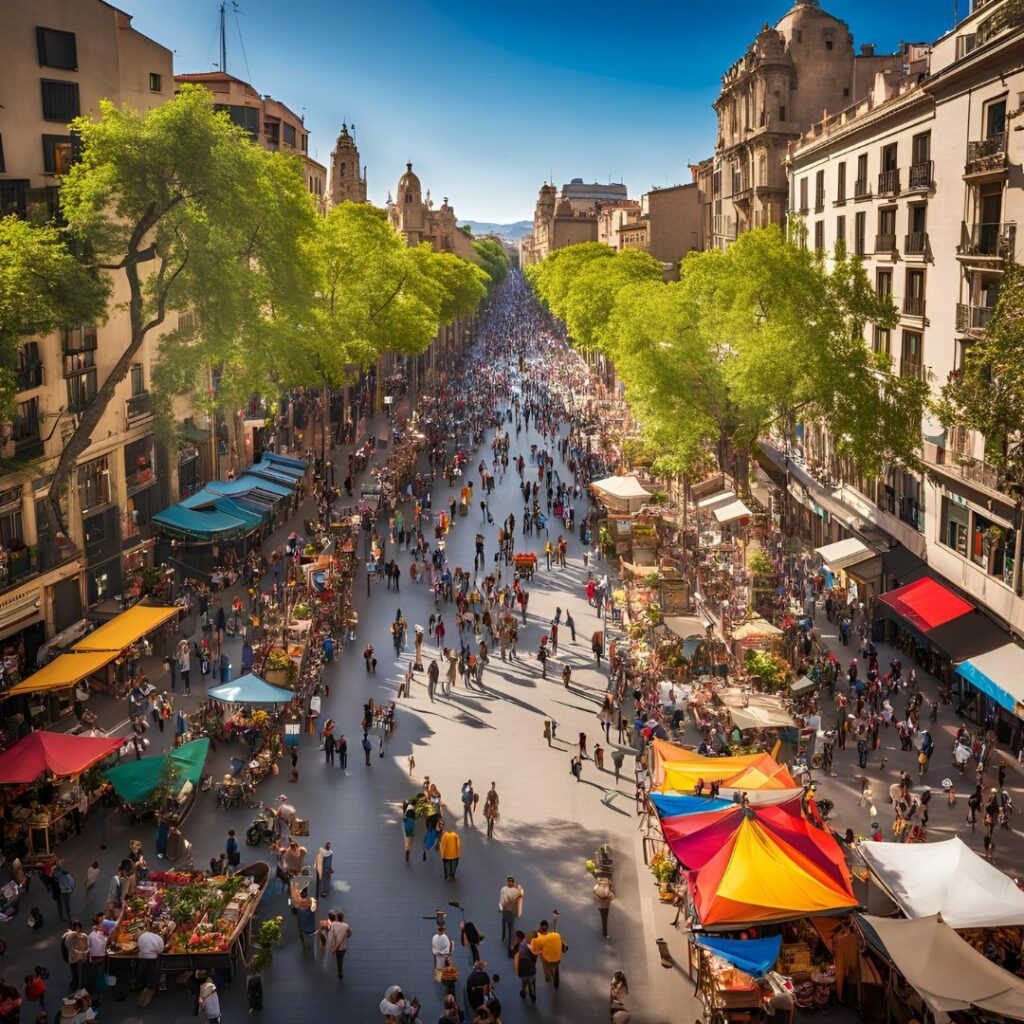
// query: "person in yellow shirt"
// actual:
[[451, 850], [549, 947]]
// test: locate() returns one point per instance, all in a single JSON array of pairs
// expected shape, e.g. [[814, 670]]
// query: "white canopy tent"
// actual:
[[844, 553], [731, 512], [947, 972], [713, 501], [624, 492], [946, 878]]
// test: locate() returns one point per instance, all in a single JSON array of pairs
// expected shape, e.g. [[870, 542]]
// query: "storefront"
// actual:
[[854, 568], [991, 686]]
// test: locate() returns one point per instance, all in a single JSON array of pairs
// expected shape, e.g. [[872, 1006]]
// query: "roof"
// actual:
[[713, 501], [624, 491], [247, 483], [686, 625], [760, 717], [123, 630], [250, 689], [844, 553], [947, 972], [64, 671], [134, 781], [57, 752], [731, 512], [756, 627], [998, 673], [946, 878], [755, 957]]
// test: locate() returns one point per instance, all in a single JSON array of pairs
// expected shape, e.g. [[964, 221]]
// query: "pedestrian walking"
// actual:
[[547, 945], [367, 748], [338, 932], [408, 828], [603, 896], [468, 803], [451, 851], [570, 624], [491, 810], [510, 905], [525, 966], [342, 752]]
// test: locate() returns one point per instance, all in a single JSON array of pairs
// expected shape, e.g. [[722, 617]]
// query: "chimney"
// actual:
[[867, 49]]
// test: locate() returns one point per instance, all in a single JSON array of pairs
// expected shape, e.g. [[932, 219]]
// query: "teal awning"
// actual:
[[275, 475], [286, 460], [134, 781], [999, 674], [200, 524], [206, 499], [275, 465], [246, 483], [250, 689]]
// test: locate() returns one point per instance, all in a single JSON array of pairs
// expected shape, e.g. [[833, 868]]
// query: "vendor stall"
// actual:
[[205, 921], [165, 784], [728, 974]]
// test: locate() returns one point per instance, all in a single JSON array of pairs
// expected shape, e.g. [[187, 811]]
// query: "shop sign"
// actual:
[[18, 606]]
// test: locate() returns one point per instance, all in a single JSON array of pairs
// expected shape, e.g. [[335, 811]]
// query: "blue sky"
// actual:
[[490, 99]]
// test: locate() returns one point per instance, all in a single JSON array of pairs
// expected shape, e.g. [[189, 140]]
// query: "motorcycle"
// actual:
[[262, 827]]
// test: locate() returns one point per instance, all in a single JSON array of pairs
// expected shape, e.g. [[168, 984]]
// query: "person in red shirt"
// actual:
[[35, 988]]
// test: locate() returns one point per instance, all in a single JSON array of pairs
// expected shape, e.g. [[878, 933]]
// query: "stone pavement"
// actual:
[[550, 825]]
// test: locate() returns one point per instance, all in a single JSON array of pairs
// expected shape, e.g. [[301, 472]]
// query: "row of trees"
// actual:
[[751, 340], [198, 219]]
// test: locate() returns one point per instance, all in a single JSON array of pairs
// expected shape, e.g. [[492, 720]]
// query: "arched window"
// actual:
[[762, 170], [341, 170], [408, 197]]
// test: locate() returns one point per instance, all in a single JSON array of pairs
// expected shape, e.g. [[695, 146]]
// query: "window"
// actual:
[[803, 195], [94, 483], [860, 186], [81, 390], [883, 284], [828, 44], [58, 153], [859, 232], [913, 302], [956, 525], [26, 421], [60, 101], [881, 341], [245, 117], [13, 198], [911, 359], [289, 135], [819, 191], [79, 347], [995, 118], [782, 113], [799, 35], [889, 157], [921, 147], [12, 534], [305, 142], [156, 82], [846, 90], [57, 49], [819, 235], [841, 230], [137, 379], [841, 183]]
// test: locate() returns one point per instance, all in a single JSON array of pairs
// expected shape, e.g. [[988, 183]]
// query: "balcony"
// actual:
[[138, 407], [889, 183], [912, 368], [987, 157], [916, 243], [921, 174], [987, 242], [966, 468], [972, 319], [29, 376], [913, 305], [861, 190], [885, 243]]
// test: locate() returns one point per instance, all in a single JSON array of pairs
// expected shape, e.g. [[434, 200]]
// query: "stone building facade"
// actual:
[[348, 182], [789, 75], [570, 217]]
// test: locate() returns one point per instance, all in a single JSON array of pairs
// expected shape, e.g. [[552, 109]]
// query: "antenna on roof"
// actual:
[[223, 42]]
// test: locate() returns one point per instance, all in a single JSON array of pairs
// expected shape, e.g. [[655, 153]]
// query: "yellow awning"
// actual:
[[63, 671], [128, 627]]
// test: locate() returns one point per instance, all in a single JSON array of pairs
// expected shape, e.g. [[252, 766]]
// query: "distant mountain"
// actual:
[[511, 232]]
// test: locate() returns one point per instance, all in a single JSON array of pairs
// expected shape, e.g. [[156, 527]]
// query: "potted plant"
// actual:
[[268, 935], [279, 669], [664, 869]]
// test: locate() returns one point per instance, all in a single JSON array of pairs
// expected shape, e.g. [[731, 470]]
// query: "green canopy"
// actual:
[[134, 781]]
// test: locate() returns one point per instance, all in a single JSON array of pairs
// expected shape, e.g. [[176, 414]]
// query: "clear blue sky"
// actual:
[[490, 99]]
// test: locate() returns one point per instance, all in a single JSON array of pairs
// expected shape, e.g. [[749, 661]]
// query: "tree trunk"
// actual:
[[326, 420], [89, 420]]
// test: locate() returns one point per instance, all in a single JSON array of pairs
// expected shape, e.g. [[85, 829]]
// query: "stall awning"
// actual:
[[286, 460], [732, 512], [844, 553], [265, 471], [64, 671], [251, 689], [755, 628], [999, 674], [280, 464], [134, 781], [246, 484], [968, 636], [803, 685], [622, 491], [756, 957], [128, 627], [197, 435], [902, 563], [205, 524], [946, 878], [686, 626], [713, 501], [759, 717], [674, 805], [926, 604], [948, 973], [207, 499], [57, 752]]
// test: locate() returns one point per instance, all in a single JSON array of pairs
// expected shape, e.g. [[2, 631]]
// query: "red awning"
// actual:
[[57, 752], [926, 604]]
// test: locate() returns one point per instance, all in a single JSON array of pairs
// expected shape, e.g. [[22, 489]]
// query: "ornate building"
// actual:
[[789, 75], [416, 220], [569, 217], [346, 181]]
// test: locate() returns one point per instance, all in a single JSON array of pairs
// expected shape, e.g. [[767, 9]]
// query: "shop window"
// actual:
[[94, 483], [103, 582], [139, 464], [956, 525], [189, 476]]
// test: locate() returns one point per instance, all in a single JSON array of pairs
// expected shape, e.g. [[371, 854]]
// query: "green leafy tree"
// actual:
[[43, 286], [988, 394], [494, 261], [552, 278], [195, 217]]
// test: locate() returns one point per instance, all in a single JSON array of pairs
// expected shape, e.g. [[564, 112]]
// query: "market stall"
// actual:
[[46, 790], [623, 493], [49, 694], [205, 921], [729, 974], [165, 784]]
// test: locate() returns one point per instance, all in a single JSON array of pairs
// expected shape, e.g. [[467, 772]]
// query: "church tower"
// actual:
[[346, 180], [407, 213]]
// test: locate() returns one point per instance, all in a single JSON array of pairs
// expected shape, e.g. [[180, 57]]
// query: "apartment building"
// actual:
[[57, 61], [569, 216], [269, 123], [790, 73], [921, 179]]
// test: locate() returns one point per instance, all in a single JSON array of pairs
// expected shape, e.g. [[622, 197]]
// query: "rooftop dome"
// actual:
[[408, 182]]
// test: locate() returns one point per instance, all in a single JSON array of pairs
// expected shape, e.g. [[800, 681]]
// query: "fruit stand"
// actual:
[[205, 921]]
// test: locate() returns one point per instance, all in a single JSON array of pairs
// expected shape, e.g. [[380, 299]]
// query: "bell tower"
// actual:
[[346, 180]]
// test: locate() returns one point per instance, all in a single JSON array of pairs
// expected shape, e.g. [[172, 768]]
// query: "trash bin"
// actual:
[[225, 670]]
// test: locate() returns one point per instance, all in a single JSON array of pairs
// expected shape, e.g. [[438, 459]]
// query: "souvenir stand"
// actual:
[[46, 779]]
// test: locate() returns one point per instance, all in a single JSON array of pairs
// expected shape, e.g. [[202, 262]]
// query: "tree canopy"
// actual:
[[988, 393], [750, 340], [494, 261]]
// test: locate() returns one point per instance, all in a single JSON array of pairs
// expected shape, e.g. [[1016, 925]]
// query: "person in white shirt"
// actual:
[[339, 931], [209, 1000], [151, 945], [285, 815], [508, 903], [442, 947]]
